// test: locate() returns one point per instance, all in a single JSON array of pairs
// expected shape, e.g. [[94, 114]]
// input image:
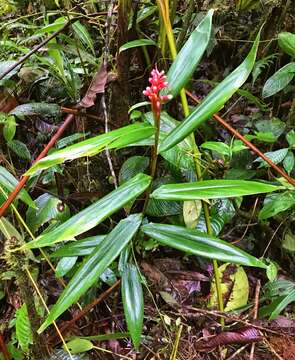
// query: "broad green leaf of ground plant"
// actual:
[[279, 80], [49, 208], [94, 265], [276, 203], [212, 189], [201, 244], [36, 109], [133, 303], [136, 43], [78, 345], [214, 101], [94, 214], [114, 139], [9, 182], [189, 56], [286, 42], [79, 248], [277, 305]]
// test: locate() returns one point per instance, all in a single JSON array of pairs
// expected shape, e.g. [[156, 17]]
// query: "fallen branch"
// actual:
[[35, 49], [3, 348], [24, 179], [247, 143]]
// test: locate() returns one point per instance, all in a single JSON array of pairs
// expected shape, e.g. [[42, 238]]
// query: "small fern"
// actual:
[[23, 328], [261, 64]]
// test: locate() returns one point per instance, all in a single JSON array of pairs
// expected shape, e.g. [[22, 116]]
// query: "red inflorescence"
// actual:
[[158, 82]]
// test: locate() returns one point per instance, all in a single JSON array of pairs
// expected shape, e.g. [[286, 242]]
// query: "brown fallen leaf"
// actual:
[[246, 335], [7, 102], [97, 86]]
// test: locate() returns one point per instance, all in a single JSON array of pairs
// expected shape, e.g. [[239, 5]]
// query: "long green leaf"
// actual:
[[133, 302], [214, 101], [9, 182], [279, 80], [114, 139], [136, 43], [94, 214], [190, 55], [102, 256], [277, 305], [79, 247], [199, 243], [212, 189]]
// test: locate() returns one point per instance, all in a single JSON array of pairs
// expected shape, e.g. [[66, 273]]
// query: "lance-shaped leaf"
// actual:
[[198, 243], [79, 248], [9, 182], [136, 43], [114, 139], [190, 55], [36, 109], [212, 189], [94, 214], [95, 264], [214, 101], [133, 302]]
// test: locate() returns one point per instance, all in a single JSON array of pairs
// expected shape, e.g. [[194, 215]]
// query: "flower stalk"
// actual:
[[163, 6], [158, 82]]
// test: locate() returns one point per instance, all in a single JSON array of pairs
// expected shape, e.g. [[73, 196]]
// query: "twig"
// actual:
[[35, 49], [238, 352], [271, 239], [248, 143], [3, 348], [24, 179], [186, 311], [249, 223], [87, 308], [273, 350], [255, 313]]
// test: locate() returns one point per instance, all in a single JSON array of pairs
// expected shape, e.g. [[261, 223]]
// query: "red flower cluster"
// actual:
[[158, 82]]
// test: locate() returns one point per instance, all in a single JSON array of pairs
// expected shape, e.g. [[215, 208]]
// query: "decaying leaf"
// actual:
[[244, 335], [97, 86], [191, 212], [7, 102], [234, 287]]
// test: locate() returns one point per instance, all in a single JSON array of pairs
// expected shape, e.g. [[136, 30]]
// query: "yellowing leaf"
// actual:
[[234, 287], [191, 213]]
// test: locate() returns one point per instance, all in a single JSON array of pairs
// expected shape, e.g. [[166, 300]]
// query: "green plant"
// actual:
[[281, 78], [166, 199]]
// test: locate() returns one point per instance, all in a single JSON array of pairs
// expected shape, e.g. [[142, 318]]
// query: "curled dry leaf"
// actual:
[[244, 335], [97, 86], [7, 102]]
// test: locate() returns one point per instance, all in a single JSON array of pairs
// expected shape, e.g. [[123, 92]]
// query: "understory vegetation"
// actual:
[[147, 179]]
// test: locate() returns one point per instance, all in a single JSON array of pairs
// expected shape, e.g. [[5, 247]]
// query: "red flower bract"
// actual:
[[158, 82]]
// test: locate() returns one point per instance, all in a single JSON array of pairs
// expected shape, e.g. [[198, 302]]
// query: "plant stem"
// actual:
[[171, 41], [154, 159]]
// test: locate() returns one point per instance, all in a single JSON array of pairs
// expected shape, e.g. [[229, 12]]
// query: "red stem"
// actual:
[[248, 143], [3, 348], [24, 179]]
